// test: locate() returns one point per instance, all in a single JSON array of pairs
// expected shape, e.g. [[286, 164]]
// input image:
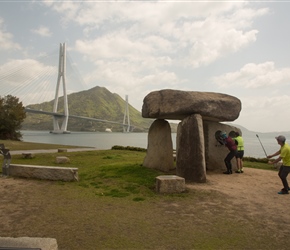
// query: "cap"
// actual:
[[280, 138], [223, 134]]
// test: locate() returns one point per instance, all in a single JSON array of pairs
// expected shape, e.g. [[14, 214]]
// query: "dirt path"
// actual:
[[254, 191]]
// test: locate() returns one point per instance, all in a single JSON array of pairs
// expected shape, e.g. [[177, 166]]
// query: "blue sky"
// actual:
[[240, 48]]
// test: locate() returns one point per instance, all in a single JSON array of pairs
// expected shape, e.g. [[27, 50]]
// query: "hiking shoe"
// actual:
[[242, 171], [227, 172], [283, 192], [238, 171]]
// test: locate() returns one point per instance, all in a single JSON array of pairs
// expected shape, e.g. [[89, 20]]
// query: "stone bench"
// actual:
[[28, 243], [170, 184], [44, 172]]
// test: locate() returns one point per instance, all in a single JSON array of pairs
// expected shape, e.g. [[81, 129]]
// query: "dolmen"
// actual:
[[201, 115]]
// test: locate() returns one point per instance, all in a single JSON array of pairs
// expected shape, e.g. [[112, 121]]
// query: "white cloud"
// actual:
[[254, 76], [265, 114], [196, 34], [42, 31], [6, 39]]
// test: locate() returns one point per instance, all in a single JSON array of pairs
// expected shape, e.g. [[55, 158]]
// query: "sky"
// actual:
[[239, 48]]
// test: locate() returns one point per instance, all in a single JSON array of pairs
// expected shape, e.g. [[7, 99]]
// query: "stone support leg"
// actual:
[[190, 158], [160, 149]]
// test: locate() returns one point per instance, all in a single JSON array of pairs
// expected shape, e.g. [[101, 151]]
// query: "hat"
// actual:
[[280, 138], [223, 135]]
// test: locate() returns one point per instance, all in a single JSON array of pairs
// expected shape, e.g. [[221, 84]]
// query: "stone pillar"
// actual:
[[160, 148], [214, 152], [190, 156]]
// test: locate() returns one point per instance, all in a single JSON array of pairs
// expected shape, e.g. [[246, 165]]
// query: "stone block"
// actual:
[[28, 243], [44, 172], [61, 150], [27, 155], [62, 159], [170, 184]]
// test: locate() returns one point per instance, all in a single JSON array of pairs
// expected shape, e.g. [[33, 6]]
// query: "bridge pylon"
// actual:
[[61, 78], [126, 127]]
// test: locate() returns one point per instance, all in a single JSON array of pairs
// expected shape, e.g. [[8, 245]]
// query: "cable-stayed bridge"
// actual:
[[26, 91]]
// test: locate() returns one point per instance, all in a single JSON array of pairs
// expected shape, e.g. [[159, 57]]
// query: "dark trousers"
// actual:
[[228, 159], [283, 173]]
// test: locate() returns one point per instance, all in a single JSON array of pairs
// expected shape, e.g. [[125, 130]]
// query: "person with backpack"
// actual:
[[240, 152], [231, 145]]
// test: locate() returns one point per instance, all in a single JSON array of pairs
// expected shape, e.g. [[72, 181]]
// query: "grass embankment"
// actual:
[[114, 206]]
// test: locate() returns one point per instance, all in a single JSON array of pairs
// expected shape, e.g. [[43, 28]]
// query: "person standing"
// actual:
[[240, 153], [231, 145], [284, 155], [6, 162]]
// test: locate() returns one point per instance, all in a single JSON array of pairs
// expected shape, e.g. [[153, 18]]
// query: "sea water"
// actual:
[[256, 144]]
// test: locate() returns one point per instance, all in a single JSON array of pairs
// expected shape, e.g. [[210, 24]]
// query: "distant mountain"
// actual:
[[97, 102], [245, 130]]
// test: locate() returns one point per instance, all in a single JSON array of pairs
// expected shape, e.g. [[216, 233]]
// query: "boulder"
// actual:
[[177, 104]]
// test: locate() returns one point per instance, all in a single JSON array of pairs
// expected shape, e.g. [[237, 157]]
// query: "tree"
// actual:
[[12, 114]]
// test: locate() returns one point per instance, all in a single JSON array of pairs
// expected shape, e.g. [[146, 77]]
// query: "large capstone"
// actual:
[[177, 104]]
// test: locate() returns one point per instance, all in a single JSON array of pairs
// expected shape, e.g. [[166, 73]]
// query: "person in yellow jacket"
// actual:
[[240, 152], [284, 155]]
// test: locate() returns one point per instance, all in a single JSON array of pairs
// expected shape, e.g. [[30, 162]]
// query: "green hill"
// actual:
[[98, 103]]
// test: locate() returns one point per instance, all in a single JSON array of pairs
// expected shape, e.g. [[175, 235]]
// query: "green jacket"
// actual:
[[240, 146]]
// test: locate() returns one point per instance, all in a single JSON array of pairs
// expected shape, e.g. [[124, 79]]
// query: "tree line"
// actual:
[[12, 114]]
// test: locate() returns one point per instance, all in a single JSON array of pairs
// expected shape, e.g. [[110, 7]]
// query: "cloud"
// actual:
[[42, 31], [254, 76], [6, 39], [194, 34], [265, 113]]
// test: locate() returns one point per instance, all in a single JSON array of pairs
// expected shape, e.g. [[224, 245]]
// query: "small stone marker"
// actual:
[[27, 155], [60, 150], [170, 184], [62, 159]]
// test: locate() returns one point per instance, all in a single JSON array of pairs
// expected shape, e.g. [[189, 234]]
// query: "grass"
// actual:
[[114, 206]]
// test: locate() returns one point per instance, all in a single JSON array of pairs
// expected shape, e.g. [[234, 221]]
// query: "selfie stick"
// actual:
[[262, 146]]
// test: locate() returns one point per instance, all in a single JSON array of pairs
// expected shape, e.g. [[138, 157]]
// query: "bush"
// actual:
[[252, 159], [117, 147]]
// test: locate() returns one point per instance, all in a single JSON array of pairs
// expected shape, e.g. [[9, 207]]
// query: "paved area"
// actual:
[[39, 151]]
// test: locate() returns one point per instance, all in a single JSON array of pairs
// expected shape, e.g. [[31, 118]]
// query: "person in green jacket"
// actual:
[[240, 152]]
